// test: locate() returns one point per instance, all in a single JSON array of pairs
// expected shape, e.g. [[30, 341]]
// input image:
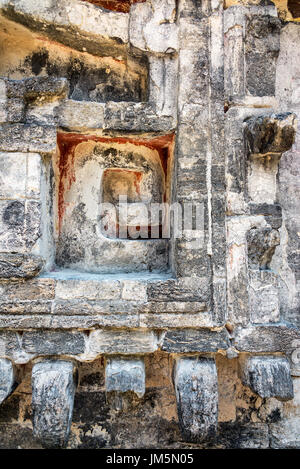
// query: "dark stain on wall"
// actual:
[[90, 83], [294, 7]]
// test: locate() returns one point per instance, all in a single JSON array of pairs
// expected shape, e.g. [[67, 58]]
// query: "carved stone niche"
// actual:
[[104, 188]]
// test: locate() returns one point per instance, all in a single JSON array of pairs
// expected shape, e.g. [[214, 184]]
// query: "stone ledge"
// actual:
[[23, 338], [107, 296], [189, 340], [129, 116], [123, 342]]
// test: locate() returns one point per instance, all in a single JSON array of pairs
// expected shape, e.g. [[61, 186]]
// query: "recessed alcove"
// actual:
[[91, 172]]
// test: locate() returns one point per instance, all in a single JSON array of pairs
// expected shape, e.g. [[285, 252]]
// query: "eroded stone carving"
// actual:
[[124, 377], [53, 390], [269, 377], [7, 379], [196, 387]]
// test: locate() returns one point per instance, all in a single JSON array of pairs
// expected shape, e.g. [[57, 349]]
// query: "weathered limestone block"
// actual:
[[252, 41], [7, 379], [20, 225], [234, 74], [270, 133], [53, 342], [121, 341], [263, 297], [266, 138], [162, 83], [284, 433], [261, 243], [88, 290], [11, 346], [37, 88], [237, 269], [271, 212], [20, 175], [176, 320], [262, 44], [196, 387], [122, 378], [25, 137], [53, 390], [153, 27], [273, 338], [135, 117], [190, 340], [77, 115], [16, 266], [269, 377], [185, 289], [134, 290]]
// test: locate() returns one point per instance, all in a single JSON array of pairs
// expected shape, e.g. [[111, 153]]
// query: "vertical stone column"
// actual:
[[200, 152]]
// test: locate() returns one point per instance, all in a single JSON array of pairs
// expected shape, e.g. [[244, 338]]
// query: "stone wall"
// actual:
[[186, 341]]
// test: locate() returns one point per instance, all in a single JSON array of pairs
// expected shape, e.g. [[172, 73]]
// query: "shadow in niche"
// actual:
[[91, 170]]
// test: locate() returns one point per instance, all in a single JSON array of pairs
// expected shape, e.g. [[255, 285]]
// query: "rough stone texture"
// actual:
[[74, 115], [269, 377], [160, 31], [53, 389], [123, 342], [263, 297], [172, 102], [284, 432], [7, 379], [95, 27], [271, 212], [188, 340], [196, 385], [261, 52], [123, 377], [261, 247], [274, 133], [53, 343], [16, 266], [271, 339], [25, 137]]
